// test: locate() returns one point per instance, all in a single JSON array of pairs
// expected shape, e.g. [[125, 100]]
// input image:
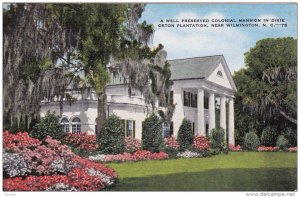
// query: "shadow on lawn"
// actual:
[[257, 179]]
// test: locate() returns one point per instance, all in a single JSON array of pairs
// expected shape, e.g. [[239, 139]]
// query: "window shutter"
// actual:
[[133, 132], [184, 99], [123, 122]]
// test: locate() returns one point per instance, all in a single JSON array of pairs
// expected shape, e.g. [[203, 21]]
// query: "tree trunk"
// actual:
[[101, 111]]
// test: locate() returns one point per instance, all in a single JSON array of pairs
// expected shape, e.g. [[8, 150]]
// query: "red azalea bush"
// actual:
[[33, 183], [82, 141], [141, 155], [268, 148], [292, 149], [160, 155], [201, 143], [136, 156], [30, 158], [19, 141], [171, 143], [235, 148], [76, 180], [132, 144]]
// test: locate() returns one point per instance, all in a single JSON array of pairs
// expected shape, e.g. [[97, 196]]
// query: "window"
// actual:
[[206, 130], [220, 74], [194, 100], [65, 125], [76, 125], [186, 98], [190, 99], [205, 102], [167, 129], [129, 126]]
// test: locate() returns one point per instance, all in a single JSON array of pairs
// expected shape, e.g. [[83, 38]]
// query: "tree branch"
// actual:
[[288, 117]]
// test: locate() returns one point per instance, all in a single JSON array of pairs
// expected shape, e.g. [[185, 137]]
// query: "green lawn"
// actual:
[[245, 171]]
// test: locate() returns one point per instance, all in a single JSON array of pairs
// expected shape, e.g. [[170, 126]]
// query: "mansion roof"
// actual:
[[194, 68], [190, 68]]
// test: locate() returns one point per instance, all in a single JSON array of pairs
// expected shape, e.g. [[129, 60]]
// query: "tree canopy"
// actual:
[[51, 47], [267, 87]]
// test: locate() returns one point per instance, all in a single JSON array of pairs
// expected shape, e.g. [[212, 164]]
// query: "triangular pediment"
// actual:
[[222, 76]]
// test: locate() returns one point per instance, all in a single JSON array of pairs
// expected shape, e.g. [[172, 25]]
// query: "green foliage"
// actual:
[[152, 138], [291, 136], [268, 137], [171, 152], [217, 138], [270, 53], [267, 88], [251, 141], [185, 135], [99, 78], [32, 67], [48, 125], [282, 142], [111, 138]]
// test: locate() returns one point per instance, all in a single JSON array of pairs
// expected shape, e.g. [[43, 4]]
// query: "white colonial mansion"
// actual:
[[202, 86]]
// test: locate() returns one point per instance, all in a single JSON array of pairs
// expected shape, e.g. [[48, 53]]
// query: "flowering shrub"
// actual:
[[136, 156], [30, 158], [132, 145], [201, 143], [292, 149], [82, 141], [33, 183], [81, 180], [268, 148], [171, 142], [77, 179], [118, 157], [39, 160], [235, 148], [141, 155], [19, 141], [160, 155], [15, 165], [188, 154]]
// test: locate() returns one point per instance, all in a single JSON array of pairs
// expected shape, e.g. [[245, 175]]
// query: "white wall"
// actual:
[[85, 110], [134, 107], [128, 112]]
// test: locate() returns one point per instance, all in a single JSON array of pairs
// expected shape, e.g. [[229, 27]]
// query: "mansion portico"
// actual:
[[203, 92], [201, 85]]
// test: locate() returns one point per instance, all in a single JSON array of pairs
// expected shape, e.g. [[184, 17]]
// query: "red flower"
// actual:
[[82, 141], [235, 148], [201, 143], [171, 142]]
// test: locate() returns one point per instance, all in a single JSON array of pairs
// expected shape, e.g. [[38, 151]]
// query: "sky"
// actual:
[[232, 42]]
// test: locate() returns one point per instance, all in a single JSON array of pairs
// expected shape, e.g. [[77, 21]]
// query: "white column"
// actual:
[[223, 113], [231, 122], [200, 112], [178, 112], [212, 116]]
